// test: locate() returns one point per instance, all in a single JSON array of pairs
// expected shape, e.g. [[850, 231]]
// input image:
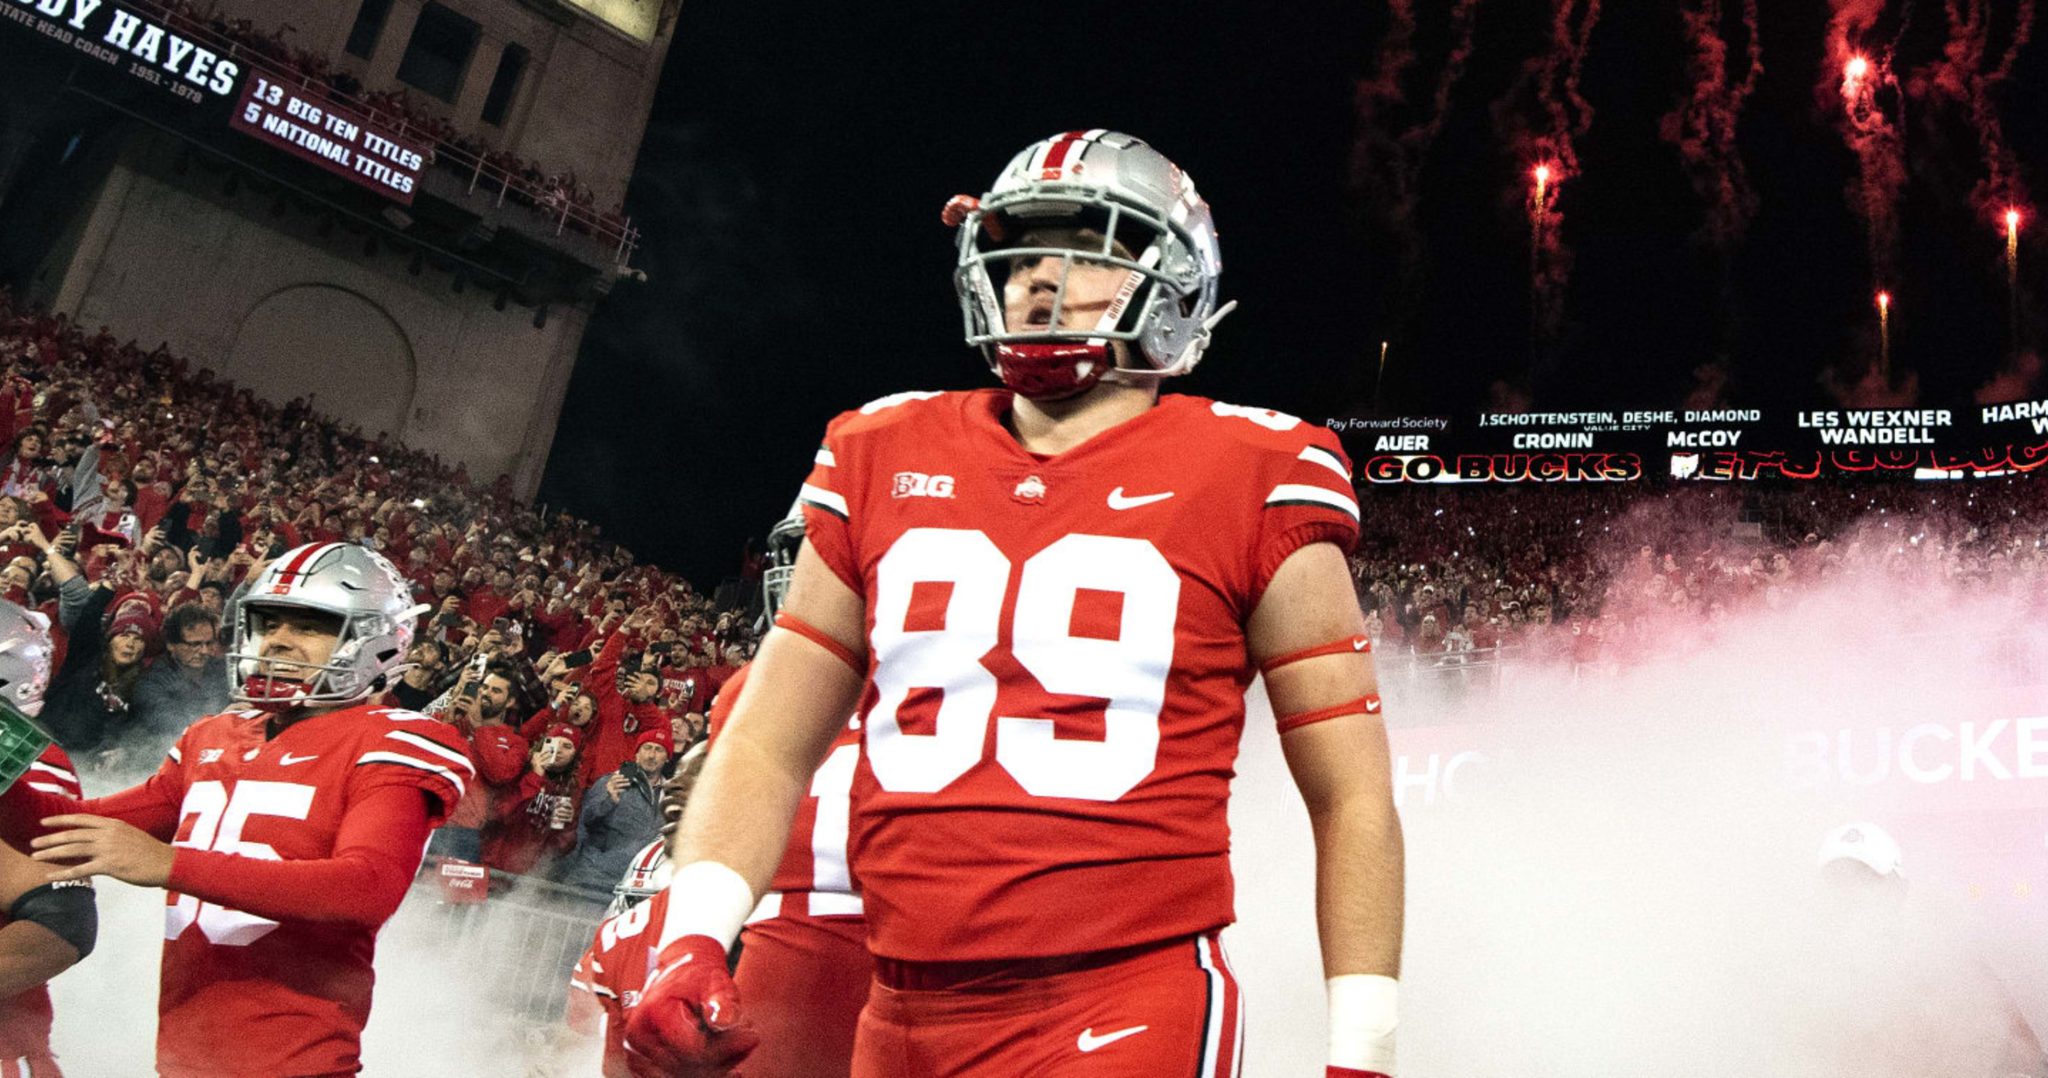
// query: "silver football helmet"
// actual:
[[24, 674], [1136, 200], [24, 658], [645, 877], [784, 540], [355, 585]]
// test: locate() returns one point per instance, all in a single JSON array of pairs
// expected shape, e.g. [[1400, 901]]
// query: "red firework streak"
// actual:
[[1884, 336], [1542, 239], [2012, 273]]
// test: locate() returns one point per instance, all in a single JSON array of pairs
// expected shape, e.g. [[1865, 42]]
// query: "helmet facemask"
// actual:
[[646, 876], [1132, 211], [277, 684], [784, 541], [371, 612]]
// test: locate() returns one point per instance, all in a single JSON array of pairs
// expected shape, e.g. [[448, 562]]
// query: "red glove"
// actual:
[[1334, 1071], [688, 1023]]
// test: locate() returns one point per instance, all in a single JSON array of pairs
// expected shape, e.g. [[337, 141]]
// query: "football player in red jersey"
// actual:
[[803, 965], [48, 926], [285, 833], [606, 982], [1048, 601]]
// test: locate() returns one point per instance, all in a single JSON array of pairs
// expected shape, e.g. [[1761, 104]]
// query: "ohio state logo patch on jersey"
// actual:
[[1031, 491], [920, 485]]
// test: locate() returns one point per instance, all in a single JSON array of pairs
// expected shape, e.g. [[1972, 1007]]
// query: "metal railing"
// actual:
[[616, 231], [546, 924]]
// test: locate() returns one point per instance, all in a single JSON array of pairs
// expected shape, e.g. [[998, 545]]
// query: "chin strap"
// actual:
[[1052, 371], [266, 693]]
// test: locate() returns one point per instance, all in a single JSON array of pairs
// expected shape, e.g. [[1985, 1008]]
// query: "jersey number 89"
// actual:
[[1130, 672]]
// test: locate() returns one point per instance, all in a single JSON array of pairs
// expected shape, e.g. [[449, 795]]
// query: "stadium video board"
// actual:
[[1718, 444], [188, 60]]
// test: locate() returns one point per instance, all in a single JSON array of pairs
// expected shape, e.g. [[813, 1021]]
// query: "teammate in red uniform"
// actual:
[[48, 927], [1056, 595], [803, 964], [606, 982], [298, 825]]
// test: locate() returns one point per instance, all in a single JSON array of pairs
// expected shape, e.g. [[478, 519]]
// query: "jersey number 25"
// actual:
[[218, 826]]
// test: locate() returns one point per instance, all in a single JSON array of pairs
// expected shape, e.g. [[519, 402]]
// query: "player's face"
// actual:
[[1033, 282], [297, 642]]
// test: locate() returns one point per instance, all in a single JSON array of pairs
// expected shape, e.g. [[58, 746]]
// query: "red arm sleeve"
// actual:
[[826, 508], [376, 853], [152, 806]]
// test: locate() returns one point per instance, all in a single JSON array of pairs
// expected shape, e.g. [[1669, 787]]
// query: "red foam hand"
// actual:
[[688, 1023]]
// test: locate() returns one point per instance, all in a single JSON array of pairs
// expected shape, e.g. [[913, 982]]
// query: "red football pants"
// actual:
[[1167, 1010], [802, 982]]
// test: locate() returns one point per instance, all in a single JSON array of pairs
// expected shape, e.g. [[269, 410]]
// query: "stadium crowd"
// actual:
[[1602, 573], [138, 493]]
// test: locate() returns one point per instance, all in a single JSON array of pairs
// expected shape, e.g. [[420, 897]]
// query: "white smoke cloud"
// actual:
[[1608, 877], [1616, 876]]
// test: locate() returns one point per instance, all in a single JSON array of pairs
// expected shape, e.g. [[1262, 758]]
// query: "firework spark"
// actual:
[[2012, 275], [1884, 335], [1541, 117], [1968, 75], [1855, 88]]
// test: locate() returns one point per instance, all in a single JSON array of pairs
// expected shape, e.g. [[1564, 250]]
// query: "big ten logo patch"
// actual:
[[920, 485]]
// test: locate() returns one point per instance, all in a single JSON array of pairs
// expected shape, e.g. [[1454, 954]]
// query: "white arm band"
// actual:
[[1364, 1008], [706, 898]]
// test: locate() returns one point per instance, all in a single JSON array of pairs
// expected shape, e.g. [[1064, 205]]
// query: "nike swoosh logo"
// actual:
[[288, 759], [1088, 1041], [1372, 707], [1360, 643], [1118, 501]]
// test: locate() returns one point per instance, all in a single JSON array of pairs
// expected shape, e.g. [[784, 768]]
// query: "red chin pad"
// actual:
[[1050, 372], [272, 694]]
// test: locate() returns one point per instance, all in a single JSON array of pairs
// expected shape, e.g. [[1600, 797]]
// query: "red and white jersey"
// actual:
[[1057, 660], [607, 980], [812, 879], [52, 773], [25, 1018], [289, 997]]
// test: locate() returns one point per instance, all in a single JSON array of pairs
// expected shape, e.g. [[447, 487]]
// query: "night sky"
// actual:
[[791, 178]]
